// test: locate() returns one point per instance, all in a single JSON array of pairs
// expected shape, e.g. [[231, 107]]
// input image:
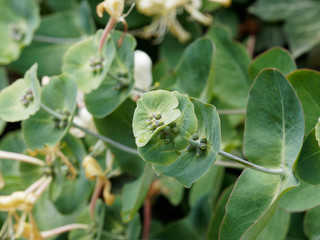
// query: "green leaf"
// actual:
[[193, 69], [219, 212], [306, 83], [312, 223], [252, 203], [22, 98], [301, 198], [307, 166], [74, 193], [189, 167], [274, 58], [277, 227], [19, 20], [153, 102], [171, 189], [209, 184], [83, 62], [134, 194], [274, 131], [3, 84], [301, 21], [51, 41], [58, 95], [274, 126], [116, 87], [118, 127], [158, 150], [229, 80]]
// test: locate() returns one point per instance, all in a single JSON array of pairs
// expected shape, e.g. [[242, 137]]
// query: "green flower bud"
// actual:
[[195, 136], [168, 138], [203, 139], [202, 146], [175, 129]]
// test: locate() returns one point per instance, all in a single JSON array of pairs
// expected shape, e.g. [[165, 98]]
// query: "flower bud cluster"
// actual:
[[154, 121], [63, 121], [17, 32], [197, 144], [96, 64], [168, 132], [27, 98]]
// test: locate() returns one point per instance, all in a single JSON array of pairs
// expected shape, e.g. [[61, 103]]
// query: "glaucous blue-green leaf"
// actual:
[[274, 131], [117, 85], [51, 41], [317, 131], [44, 129], [312, 223], [307, 167], [208, 184], [270, 34], [277, 227], [118, 127], [164, 147], [274, 58], [3, 84], [217, 216], [134, 193], [229, 80], [19, 20], [22, 98], [160, 102], [74, 193], [86, 65], [193, 70], [306, 83], [301, 21], [301, 198], [198, 158], [251, 205], [274, 126]]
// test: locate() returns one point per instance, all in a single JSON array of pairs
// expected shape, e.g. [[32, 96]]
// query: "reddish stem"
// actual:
[[112, 21], [147, 212], [95, 196], [125, 30]]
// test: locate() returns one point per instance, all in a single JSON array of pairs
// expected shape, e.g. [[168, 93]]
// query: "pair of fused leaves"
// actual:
[[19, 20], [105, 78], [22, 101], [165, 145]]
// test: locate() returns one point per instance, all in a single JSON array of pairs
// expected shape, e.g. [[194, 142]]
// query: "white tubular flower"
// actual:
[[165, 12], [225, 3], [113, 7], [142, 71], [83, 119]]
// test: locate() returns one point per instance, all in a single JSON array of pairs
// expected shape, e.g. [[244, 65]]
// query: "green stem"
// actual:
[[251, 165], [55, 40], [103, 138], [228, 164], [121, 80], [231, 111]]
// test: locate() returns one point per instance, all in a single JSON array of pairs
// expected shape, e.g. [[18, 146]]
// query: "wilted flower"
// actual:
[[165, 16]]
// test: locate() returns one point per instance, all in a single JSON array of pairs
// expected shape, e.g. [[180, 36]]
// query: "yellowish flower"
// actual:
[[113, 7]]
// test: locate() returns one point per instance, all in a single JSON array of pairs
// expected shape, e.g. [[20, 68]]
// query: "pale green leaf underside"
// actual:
[[11, 106], [151, 103], [312, 223]]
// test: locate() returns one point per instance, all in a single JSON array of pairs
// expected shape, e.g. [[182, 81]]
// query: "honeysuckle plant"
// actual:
[[108, 136]]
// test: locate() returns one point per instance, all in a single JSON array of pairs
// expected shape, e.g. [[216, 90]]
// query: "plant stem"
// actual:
[[146, 217], [95, 196], [103, 138], [231, 111], [63, 229], [21, 157], [251, 165], [112, 21], [55, 40], [229, 164]]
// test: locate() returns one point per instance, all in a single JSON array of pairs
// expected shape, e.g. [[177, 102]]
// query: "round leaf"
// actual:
[[189, 167], [42, 128], [19, 20], [151, 103], [22, 98], [83, 62]]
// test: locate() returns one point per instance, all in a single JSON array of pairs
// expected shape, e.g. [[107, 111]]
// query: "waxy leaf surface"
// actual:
[[307, 84], [12, 108], [189, 167], [79, 62], [157, 150], [274, 131], [150, 103], [307, 167], [278, 58], [117, 85], [312, 223], [40, 129]]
